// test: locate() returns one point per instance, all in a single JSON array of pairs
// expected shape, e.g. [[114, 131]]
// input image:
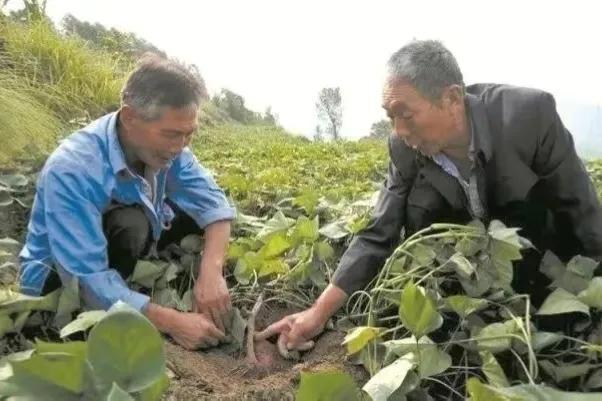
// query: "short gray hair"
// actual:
[[157, 82], [428, 66]]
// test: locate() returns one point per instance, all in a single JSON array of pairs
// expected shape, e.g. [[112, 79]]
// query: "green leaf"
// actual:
[[125, 348], [563, 372], [469, 247], [423, 255], [83, 322], [14, 180], [306, 230], [418, 311], [155, 391], [62, 369], [543, 339], [477, 286], [327, 386], [192, 243], [482, 392], [272, 266], [146, 272], [463, 305], [324, 251], [308, 200], [432, 361], [387, 380], [493, 371], [592, 295], [359, 338], [334, 230], [167, 297], [118, 394], [551, 266], [279, 222], [10, 245], [235, 327], [462, 266], [68, 303], [247, 266], [497, 337], [275, 246], [561, 301], [582, 266]]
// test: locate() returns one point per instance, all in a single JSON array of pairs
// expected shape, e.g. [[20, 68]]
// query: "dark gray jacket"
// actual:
[[528, 175]]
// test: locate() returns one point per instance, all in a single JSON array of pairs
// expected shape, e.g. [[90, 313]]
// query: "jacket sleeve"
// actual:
[[371, 247], [569, 191]]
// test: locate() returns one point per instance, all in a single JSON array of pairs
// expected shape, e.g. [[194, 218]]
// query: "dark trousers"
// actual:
[[129, 238]]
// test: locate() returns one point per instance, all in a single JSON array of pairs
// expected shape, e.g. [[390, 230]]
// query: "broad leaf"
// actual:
[[526, 392], [146, 272], [418, 311], [551, 266], [463, 305], [125, 348], [492, 370], [327, 386], [118, 394], [462, 266], [192, 243], [334, 230], [306, 230], [278, 222], [324, 251], [564, 372], [497, 337], [582, 266], [561, 301], [13, 180], [83, 322], [69, 302], [275, 246], [155, 391], [384, 383], [359, 338], [592, 295], [423, 255]]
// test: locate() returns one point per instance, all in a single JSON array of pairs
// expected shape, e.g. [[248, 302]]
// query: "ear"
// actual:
[[453, 95], [128, 114]]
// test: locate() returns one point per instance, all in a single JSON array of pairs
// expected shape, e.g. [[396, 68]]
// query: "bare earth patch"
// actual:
[[213, 375]]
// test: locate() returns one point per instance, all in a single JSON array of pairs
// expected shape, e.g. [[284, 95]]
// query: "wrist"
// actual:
[[162, 318], [329, 302]]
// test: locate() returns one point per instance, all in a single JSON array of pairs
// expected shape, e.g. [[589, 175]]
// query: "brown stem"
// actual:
[[251, 358]]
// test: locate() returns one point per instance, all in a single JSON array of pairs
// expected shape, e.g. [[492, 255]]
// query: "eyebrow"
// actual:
[[179, 131]]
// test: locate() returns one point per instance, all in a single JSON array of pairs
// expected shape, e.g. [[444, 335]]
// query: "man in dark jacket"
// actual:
[[457, 153]]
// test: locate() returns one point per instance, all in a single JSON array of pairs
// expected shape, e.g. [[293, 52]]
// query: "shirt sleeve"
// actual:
[[569, 191], [369, 249], [193, 189], [77, 242]]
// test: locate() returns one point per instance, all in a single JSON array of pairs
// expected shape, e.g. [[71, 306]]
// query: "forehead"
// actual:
[[396, 91], [183, 118]]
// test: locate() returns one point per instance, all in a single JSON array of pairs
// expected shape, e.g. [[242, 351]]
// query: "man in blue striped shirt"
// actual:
[[121, 188]]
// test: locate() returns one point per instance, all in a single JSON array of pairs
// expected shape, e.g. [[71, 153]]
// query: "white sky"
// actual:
[[280, 53]]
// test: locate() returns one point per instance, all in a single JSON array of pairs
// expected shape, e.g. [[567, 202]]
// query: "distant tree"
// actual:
[[330, 110], [112, 40], [318, 137], [234, 106], [381, 129], [269, 117]]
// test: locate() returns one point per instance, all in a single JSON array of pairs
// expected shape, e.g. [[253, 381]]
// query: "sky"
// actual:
[[281, 53]]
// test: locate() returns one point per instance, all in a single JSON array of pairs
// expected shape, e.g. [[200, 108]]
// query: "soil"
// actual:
[[213, 375]]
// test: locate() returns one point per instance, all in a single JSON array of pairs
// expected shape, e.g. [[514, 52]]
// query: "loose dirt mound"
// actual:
[[213, 375]]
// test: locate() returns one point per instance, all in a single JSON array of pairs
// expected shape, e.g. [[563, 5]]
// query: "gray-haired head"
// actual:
[[157, 83], [428, 66]]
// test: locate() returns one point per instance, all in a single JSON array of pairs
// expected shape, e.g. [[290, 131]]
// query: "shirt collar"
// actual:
[[116, 154]]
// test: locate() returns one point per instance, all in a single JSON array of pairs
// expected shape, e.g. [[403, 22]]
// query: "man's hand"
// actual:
[[190, 330], [193, 331], [212, 298], [296, 330]]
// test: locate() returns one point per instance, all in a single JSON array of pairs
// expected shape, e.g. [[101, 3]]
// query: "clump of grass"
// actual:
[[71, 79], [28, 129]]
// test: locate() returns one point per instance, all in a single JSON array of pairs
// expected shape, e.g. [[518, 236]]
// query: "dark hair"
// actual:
[[428, 66], [158, 82]]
